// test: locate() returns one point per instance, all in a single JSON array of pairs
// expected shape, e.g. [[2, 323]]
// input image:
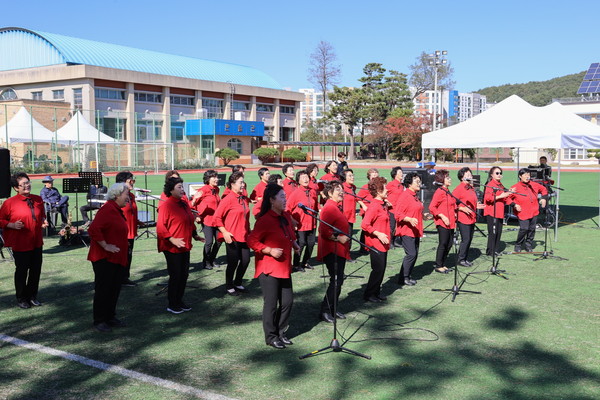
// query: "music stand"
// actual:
[[95, 177], [76, 185]]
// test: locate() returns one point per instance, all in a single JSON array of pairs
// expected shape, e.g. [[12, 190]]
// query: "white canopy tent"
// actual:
[[78, 129], [24, 128], [515, 123]]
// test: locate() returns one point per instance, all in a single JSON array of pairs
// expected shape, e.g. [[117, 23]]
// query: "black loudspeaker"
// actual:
[[222, 179], [5, 188]]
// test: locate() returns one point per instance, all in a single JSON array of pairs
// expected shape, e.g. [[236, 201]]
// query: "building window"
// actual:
[[37, 96], [8, 94], [113, 127], [110, 94], [286, 134], [182, 100], [240, 106], [213, 107], [287, 109], [147, 129], [148, 97], [177, 129], [58, 94], [235, 144], [575, 154], [264, 107], [77, 99]]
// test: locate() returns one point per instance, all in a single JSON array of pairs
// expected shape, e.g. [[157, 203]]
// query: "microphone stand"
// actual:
[[456, 288], [335, 345], [548, 254]]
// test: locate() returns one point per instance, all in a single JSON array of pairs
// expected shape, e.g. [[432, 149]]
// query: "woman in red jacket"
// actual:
[[443, 209], [495, 194], [409, 226], [529, 208], [232, 220], [466, 214], [175, 229], [108, 254], [172, 174], [205, 202], [273, 240], [349, 202], [376, 224], [333, 248], [22, 217], [305, 224]]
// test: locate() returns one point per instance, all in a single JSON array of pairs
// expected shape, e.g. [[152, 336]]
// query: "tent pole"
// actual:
[[32, 141], [6, 123], [557, 200], [518, 159], [55, 144], [97, 158]]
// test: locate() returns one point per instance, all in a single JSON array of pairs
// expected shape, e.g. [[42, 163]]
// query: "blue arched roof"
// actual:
[[22, 48]]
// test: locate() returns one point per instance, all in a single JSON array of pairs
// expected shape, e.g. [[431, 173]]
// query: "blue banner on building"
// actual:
[[222, 127]]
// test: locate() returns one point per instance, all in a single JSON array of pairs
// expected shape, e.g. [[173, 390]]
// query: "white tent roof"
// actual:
[[515, 123], [22, 127], [87, 133]]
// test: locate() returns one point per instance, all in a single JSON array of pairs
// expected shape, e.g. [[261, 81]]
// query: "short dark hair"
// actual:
[[524, 171], [370, 171], [274, 178], [409, 178], [462, 172], [170, 185], [285, 168], [342, 154], [328, 164], [330, 187], [376, 185], [544, 158], [301, 172], [394, 171], [210, 173], [440, 175], [270, 192], [344, 173], [170, 173], [262, 171], [234, 177], [311, 167], [14, 180], [123, 176], [491, 172], [237, 168]]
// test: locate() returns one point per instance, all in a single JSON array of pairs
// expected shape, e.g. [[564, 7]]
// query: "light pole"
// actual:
[[435, 60]]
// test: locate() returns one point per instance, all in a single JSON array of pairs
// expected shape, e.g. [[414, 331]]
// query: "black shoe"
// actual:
[[278, 344], [232, 292], [465, 263], [517, 249], [241, 289], [175, 310], [285, 340], [528, 249], [340, 315], [116, 323], [208, 266], [441, 270], [185, 307], [409, 282], [23, 304], [102, 327], [308, 266], [326, 317], [297, 269], [382, 297], [35, 303], [128, 283], [373, 299]]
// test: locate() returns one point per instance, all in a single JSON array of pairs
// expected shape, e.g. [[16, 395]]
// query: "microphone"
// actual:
[[142, 190], [321, 181], [306, 209], [438, 184]]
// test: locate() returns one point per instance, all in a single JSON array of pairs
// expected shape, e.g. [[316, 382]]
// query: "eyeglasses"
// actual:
[[24, 185], [497, 173]]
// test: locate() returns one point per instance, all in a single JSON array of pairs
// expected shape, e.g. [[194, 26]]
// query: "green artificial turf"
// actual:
[[533, 336]]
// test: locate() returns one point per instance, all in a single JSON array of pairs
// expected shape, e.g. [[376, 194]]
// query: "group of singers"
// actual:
[[283, 237]]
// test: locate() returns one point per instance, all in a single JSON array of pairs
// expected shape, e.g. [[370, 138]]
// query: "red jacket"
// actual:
[[233, 214], [131, 216], [327, 177], [529, 203], [258, 191], [175, 220], [109, 225], [163, 198], [466, 193], [377, 218], [331, 214], [366, 195], [409, 205], [488, 199], [443, 203], [395, 189], [314, 185], [308, 197], [206, 203], [227, 191], [289, 185], [275, 231], [349, 202], [15, 208]]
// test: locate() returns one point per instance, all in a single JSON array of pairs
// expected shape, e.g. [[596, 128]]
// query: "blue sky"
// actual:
[[488, 43]]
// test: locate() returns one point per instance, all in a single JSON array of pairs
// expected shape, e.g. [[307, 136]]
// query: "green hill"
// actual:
[[536, 93]]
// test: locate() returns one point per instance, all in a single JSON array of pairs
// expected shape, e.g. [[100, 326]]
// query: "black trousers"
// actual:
[[277, 305], [466, 237], [107, 287], [494, 234], [63, 208], [238, 258], [211, 245], [378, 265], [392, 229], [444, 245], [411, 250], [306, 241], [127, 269], [28, 268], [332, 294], [526, 232], [178, 265]]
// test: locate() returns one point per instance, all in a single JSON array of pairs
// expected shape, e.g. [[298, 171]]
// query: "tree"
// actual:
[[347, 108], [407, 133], [266, 154], [294, 154], [227, 155], [324, 71], [422, 76]]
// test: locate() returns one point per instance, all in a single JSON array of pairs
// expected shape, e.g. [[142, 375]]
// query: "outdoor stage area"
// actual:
[[535, 335]]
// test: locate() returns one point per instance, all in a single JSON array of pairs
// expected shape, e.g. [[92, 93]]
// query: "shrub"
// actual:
[[266, 154], [227, 155], [294, 154]]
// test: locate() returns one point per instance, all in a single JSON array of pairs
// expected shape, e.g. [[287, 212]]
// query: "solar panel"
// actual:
[[591, 80]]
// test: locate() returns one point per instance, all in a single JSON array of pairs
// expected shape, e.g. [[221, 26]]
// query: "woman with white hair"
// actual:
[[108, 254]]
